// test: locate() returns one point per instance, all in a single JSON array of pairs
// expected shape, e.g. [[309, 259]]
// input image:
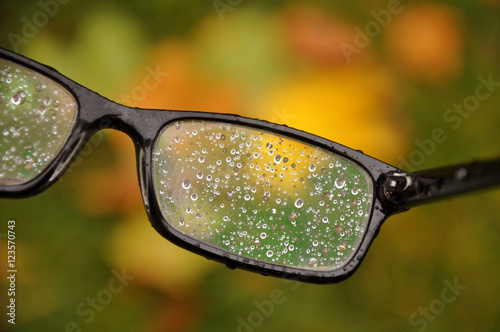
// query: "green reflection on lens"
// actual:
[[36, 117], [261, 195]]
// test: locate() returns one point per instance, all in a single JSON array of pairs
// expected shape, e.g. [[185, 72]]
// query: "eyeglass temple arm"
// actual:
[[405, 190]]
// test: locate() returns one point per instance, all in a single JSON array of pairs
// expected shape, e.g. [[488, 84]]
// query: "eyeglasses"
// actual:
[[248, 193]]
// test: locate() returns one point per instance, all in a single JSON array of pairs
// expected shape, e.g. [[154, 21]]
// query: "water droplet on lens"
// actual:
[[19, 98], [28, 165], [186, 184], [340, 182], [299, 203], [293, 216]]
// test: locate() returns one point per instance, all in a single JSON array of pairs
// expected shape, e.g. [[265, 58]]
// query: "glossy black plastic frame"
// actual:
[[394, 189]]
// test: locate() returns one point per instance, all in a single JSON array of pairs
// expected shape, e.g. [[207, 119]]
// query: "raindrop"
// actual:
[[194, 197], [315, 243], [46, 101], [257, 242], [269, 253], [230, 195], [201, 159], [199, 175], [299, 203], [186, 184], [312, 167], [343, 245], [263, 235], [277, 159], [269, 145], [340, 182], [247, 197], [293, 216], [313, 261], [28, 165], [19, 98], [325, 220]]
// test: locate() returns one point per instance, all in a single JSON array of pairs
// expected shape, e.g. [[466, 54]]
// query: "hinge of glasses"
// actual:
[[396, 187]]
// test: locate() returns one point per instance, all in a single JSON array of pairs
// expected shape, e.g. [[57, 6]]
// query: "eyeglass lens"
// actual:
[[36, 118], [261, 195]]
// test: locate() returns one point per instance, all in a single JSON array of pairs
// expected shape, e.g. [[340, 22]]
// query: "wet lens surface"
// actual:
[[261, 195], [36, 117]]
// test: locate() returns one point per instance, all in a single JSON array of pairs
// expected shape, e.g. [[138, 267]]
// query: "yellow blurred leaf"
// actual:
[[155, 261]]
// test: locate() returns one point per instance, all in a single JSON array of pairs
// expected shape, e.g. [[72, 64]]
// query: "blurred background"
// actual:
[[380, 76]]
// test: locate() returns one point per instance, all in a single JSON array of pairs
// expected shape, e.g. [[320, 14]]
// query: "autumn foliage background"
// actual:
[[281, 61]]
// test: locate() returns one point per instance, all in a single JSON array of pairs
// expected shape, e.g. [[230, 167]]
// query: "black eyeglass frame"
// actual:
[[394, 189]]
